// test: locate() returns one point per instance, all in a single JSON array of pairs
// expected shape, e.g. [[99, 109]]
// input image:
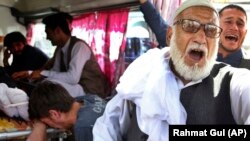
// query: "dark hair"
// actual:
[[58, 20], [47, 96], [233, 6], [67, 16], [14, 37]]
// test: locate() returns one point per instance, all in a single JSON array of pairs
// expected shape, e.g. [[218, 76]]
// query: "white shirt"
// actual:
[[70, 79], [146, 83]]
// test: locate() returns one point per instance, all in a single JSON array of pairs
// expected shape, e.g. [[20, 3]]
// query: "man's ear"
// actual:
[[58, 30], [169, 34], [54, 114]]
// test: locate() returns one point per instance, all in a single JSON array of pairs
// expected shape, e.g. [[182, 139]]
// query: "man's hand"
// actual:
[[35, 75], [142, 1], [20, 75], [6, 57], [38, 132]]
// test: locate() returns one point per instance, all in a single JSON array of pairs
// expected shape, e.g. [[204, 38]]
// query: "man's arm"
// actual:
[[49, 64], [240, 96], [6, 57], [38, 132], [155, 21], [114, 123], [79, 56]]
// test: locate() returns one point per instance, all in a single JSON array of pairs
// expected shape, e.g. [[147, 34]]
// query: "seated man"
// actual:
[[50, 104], [51, 61], [25, 57], [74, 66]]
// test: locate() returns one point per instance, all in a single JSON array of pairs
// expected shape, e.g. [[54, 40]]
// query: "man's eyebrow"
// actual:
[[238, 18]]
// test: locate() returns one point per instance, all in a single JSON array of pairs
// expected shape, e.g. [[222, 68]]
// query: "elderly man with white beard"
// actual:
[[183, 85]]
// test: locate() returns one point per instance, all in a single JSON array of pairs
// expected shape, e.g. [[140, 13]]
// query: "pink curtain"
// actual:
[[167, 8], [115, 44], [29, 33], [105, 32], [83, 26]]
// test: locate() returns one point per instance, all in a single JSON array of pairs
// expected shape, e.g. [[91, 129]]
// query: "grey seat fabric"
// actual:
[[134, 133]]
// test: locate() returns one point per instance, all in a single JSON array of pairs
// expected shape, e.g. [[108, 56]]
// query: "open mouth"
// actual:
[[233, 38], [196, 54]]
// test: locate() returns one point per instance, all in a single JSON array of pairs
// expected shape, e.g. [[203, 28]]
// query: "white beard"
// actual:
[[195, 72]]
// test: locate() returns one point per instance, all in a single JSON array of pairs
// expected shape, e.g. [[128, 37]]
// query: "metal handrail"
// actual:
[[14, 134]]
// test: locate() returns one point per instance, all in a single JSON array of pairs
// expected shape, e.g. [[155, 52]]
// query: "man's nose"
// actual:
[[200, 36], [234, 26]]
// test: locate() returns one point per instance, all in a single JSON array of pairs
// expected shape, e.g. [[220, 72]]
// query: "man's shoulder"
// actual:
[[33, 49], [91, 98], [245, 53], [221, 69], [74, 41]]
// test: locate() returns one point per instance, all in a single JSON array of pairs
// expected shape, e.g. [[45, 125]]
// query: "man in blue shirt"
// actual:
[[51, 104], [233, 21], [25, 57]]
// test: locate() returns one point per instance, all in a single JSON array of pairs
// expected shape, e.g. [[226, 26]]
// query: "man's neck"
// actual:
[[63, 41], [224, 52], [184, 81], [72, 115]]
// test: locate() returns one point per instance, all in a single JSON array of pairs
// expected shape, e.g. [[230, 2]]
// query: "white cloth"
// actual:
[[155, 90], [240, 95], [245, 53], [5, 101], [155, 75], [20, 99], [70, 79], [13, 102], [156, 108]]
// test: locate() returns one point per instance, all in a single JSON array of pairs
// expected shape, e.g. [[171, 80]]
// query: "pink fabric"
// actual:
[[83, 27], [29, 34], [104, 32], [116, 42], [166, 8]]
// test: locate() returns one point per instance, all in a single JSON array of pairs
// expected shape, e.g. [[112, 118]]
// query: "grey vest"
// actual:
[[245, 63], [92, 79], [200, 104]]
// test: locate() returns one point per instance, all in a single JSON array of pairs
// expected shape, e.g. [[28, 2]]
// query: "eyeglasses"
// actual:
[[193, 26]]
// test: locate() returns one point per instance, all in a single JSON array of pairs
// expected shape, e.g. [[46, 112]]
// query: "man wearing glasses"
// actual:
[[233, 21], [182, 84]]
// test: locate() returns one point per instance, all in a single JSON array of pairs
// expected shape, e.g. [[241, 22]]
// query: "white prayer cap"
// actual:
[[190, 3]]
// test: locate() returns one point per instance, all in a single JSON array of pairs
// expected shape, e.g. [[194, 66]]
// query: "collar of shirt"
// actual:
[[182, 86], [66, 46], [233, 59], [180, 83]]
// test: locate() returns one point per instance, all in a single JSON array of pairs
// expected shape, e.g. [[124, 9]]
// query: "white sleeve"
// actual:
[[79, 56], [113, 124], [240, 96]]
